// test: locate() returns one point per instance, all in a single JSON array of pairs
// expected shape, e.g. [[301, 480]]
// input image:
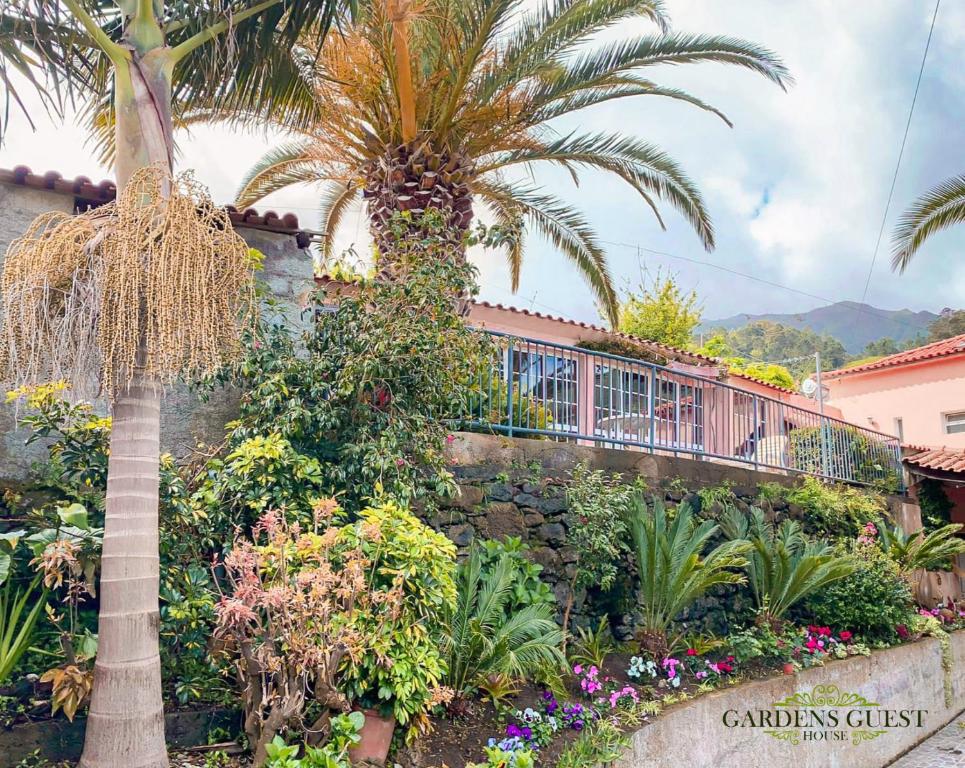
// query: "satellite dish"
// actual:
[[809, 387]]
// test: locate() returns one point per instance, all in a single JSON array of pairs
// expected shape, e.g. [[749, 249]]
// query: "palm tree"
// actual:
[[783, 565], [923, 551], [438, 107], [140, 64], [486, 640], [937, 209], [673, 568]]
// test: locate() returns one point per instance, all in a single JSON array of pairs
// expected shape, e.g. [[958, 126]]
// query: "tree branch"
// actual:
[[210, 33], [108, 46]]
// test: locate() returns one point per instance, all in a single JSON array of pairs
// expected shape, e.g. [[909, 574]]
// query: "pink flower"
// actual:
[[691, 651], [450, 439], [234, 614], [578, 669]]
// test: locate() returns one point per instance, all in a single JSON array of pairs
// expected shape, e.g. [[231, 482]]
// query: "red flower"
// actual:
[[902, 631], [845, 636], [826, 631], [691, 651]]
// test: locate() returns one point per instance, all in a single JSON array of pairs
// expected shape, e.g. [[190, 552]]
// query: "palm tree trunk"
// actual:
[[414, 178], [125, 726]]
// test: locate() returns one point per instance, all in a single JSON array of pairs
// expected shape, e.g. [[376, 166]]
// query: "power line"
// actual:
[[901, 152], [755, 278]]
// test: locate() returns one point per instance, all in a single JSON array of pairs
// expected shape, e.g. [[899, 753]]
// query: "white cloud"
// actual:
[[824, 153]]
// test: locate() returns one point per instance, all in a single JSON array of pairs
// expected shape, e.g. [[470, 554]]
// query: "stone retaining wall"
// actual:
[[908, 677], [517, 487]]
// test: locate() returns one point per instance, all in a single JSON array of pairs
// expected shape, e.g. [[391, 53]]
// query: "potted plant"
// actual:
[[414, 567]]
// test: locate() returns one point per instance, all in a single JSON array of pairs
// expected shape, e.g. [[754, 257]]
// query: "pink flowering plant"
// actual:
[[309, 612]]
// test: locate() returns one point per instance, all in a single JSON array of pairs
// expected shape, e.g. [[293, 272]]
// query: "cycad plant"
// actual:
[[486, 640], [939, 208], [674, 566], [446, 103], [920, 550], [783, 565]]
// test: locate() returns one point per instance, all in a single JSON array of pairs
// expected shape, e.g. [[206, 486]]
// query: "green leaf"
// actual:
[[75, 515], [5, 561], [12, 538]]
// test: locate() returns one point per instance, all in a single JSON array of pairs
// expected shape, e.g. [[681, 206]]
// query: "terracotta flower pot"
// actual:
[[788, 668], [376, 736]]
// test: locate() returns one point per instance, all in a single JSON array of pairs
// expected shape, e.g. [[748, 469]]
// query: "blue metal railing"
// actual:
[[560, 392]]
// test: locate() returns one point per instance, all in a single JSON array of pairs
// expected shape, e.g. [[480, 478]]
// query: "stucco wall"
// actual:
[[908, 677], [917, 394], [185, 419]]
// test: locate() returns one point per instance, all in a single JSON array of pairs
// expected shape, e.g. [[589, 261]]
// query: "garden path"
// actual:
[[946, 749]]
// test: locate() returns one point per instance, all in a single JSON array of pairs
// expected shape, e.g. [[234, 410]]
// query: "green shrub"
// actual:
[[849, 450], [870, 602], [598, 505], [367, 392], [404, 665], [835, 511], [487, 638], [260, 473]]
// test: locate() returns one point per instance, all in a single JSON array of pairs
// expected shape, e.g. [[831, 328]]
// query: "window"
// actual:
[[551, 382], [954, 422]]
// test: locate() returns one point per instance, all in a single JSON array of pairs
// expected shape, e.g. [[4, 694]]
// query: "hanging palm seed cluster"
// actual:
[[157, 279]]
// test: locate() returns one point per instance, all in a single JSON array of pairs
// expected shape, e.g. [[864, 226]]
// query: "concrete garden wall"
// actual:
[[909, 677]]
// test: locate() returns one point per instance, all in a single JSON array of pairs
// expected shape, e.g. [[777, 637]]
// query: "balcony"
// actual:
[[559, 392]]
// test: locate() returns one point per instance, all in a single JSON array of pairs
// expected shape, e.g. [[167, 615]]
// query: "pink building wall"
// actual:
[[918, 394]]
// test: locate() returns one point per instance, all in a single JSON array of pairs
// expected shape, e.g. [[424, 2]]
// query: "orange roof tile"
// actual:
[[103, 192], [944, 348], [943, 459]]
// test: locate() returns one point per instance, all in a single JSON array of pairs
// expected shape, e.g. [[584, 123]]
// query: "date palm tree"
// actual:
[[438, 104], [938, 209], [141, 63]]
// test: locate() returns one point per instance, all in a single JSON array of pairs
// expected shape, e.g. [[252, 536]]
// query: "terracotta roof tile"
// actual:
[[665, 349], [103, 192], [943, 459], [944, 348]]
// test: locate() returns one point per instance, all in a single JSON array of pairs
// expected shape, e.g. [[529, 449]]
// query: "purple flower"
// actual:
[[527, 733], [513, 730]]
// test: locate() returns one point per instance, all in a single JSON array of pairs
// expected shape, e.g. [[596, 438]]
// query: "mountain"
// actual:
[[852, 323]]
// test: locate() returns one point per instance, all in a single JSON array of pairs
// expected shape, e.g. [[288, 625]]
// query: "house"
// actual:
[[568, 380], [918, 395], [24, 195]]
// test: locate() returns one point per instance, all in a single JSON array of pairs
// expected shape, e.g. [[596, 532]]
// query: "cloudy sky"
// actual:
[[797, 188]]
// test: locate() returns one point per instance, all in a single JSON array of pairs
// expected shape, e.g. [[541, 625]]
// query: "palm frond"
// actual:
[[552, 104], [921, 550], [547, 33], [336, 200], [281, 166], [678, 48], [937, 209], [646, 168], [567, 230]]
